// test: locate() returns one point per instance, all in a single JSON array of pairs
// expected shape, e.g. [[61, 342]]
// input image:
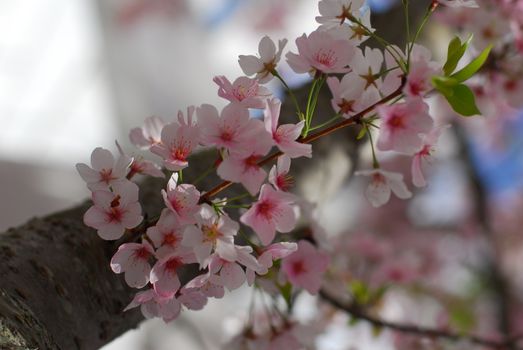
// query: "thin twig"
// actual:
[[311, 138], [357, 312]]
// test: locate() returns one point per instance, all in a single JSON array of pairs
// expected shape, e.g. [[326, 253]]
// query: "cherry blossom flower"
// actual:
[[141, 166], [164, 276], [104, 172], [305, 267], [458, 3], [178, 140], [133, 259], [232, 129], [272, 212], [212, 231], [266, 63], [192, 298], [322, 52], [401, 125], [154, 305], [368, 66], [243, 91], [204, 285], [347, 94], [279, 175], [424, 154], [244, 167], [381, 185], [112, 213], [149, 134], [229, 273], [182, 200], [274, 252], [167, 234], [335, 12], [421, 70], [285, 135]]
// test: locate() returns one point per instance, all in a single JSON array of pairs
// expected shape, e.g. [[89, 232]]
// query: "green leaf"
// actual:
[[360, 291], [462, 100], [353, 320], [470, 69], [286, 293], [376, 331], [362, 133], [462, 316], [445, 85], [455, 52]]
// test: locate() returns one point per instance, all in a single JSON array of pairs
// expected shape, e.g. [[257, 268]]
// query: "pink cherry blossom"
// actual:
[[154, 305], [133, 259], [231, 130], [192, 298], [320, 51], [167, 234], [367, 67], [401, 125], [305, 267], [229, 273], [244, 91], [178, 140], [421, 70], [285, 135], [266, 63], [149, 134], [335, 12], [182, 200], [272, 212], [203, 284], [243, 167], [105, 172], [381, 185], [164, 276], [112, 213], [279, 175], [347, 94], [458, 3], [212, 232], [141, 166], [274, 252], [424, 154]]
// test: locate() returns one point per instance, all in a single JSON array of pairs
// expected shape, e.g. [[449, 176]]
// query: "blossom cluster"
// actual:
[[194, 228]]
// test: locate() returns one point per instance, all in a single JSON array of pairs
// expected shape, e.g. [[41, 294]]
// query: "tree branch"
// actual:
[[357, 312]]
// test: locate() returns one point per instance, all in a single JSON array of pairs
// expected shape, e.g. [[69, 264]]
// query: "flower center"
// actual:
[[142, 254], [170, 239], [106, 175], [326, 57], [298, 267], [211, 233], [396, 122]]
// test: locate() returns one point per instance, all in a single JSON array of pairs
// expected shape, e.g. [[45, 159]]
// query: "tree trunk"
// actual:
[[57, 290]]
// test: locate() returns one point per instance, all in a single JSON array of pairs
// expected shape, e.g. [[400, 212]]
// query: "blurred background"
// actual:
[[78, 74]]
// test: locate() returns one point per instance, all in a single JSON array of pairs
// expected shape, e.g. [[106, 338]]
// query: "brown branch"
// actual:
[[309, 139], [357, 312]]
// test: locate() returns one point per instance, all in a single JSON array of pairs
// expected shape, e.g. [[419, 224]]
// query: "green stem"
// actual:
[[418, 32], [315, 100], [203, 175], [375, 163], [336, 116], [386, 45], [291, 94], [407, 21], [228, 200]]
